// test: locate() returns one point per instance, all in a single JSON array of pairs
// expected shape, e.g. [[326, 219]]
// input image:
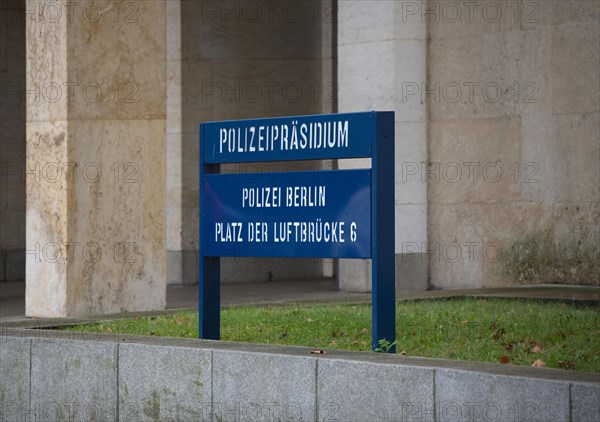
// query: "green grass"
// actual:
[[484, 330]]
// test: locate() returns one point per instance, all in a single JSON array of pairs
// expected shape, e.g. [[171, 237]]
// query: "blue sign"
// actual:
[[316, 137], [311, 214]]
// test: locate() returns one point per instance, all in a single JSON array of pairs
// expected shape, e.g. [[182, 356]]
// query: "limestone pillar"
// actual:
[[96, 122], [381, 66]]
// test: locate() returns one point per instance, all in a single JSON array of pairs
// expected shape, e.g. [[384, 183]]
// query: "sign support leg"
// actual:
[[210, 298], [383, 232], [209, 268]]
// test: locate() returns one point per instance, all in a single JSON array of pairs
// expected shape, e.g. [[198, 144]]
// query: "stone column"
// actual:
[[381, 66], [96, 121]]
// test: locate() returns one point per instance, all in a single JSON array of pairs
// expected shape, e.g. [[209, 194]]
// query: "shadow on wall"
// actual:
[[12, 263], [12, 140]]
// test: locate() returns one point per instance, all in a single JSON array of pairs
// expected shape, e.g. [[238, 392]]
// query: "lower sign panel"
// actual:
[[310, 214]]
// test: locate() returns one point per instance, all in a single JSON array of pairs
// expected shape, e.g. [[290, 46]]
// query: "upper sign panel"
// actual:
[[318, 137]]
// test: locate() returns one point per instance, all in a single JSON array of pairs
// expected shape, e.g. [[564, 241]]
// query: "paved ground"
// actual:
[[12, 295]]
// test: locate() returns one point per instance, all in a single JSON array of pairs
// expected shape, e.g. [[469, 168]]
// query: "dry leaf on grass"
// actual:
[[566, 364], [537, 349], [504, 359], [539, 363]]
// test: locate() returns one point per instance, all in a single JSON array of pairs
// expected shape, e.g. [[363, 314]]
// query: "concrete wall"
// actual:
[[49, 375], [12, 141], [513, 101], [234, 60]]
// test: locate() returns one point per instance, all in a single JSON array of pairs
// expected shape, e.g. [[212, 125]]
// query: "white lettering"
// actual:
[[293, 136], [305, 196]]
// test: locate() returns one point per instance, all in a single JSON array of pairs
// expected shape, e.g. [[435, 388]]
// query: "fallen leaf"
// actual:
[[309, 319], [317, 352], [537, 349], [466, 321], [539, 363], [566, 364], [402, 353], [508, 346], [504, 359]]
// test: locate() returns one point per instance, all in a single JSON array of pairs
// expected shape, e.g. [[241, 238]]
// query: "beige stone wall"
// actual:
[[513, 104], [235, 60], [12, 142], [380, 51], [96, 230]]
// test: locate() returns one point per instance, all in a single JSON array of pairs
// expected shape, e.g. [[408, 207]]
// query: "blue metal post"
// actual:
[[382, 230], [209, 268]]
